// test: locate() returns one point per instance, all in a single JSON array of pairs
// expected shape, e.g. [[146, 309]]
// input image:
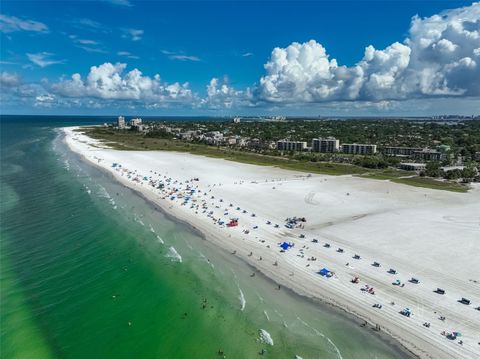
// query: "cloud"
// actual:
[[87, 45], [220, 95], [435, 68], [119, 2], [90, 25], [86, 42], [92, 49], [13, 24], [180, 56], [43, 59], [247, 54], [127, 55], [9, 79], [45, 100], [440, 57], [133, 34], [184, 58], [110, 82]]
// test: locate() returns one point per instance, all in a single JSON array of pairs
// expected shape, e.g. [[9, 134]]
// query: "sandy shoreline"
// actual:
[[422, 233]]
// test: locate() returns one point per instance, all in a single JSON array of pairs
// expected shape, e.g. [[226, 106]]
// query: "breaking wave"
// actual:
[[174, 255]]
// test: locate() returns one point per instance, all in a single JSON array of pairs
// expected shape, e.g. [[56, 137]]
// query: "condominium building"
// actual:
[[121, 122], [427, 155], [286, 145], [400, 151], [325, 145], [135, 121], [359, 149]]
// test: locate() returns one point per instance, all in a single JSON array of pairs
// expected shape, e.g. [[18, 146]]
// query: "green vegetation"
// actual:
[[128, 140], [432, 183], [387, 174], [461, 137]]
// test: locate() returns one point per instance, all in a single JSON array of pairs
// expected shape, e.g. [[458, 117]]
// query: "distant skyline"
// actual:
[[342, 58]]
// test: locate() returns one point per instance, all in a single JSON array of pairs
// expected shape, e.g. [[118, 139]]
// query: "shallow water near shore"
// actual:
[[90, 268]]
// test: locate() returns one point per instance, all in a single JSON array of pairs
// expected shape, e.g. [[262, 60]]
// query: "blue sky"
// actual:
[[217, 57]]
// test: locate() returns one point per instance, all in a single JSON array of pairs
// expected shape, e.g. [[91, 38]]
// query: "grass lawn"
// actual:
[[432, 183]]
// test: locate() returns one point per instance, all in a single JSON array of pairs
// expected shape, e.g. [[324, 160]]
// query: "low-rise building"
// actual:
[[452, 168], [427, 155], [214, 138], [325, 145], [411, 166], [286, 145], [232, 141], [359, 149], [135, 122], [400, 151]]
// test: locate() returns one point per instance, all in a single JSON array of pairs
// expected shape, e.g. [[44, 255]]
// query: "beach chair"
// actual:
[[439, 291]]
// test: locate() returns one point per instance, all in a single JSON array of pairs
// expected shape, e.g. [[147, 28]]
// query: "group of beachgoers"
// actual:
[[192, 194]]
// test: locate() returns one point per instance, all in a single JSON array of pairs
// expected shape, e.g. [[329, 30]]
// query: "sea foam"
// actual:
[[265, 337], [243, 302], [173, 255]]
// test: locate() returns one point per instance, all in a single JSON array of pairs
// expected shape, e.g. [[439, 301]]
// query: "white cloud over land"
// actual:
[[440, 57], [110, 82], [437, 63]]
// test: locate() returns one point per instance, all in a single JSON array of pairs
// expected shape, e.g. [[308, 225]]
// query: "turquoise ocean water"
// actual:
[[89, 269]]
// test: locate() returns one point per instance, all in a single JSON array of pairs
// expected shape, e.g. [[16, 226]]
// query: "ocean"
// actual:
[[91, 269]]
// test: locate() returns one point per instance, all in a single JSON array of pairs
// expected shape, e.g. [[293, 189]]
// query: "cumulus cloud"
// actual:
[[43, 59], [440, 57], [437, 65], [13, 24], [45, 100], [9, 79], [220, 95], [133, 34], [110, 82]]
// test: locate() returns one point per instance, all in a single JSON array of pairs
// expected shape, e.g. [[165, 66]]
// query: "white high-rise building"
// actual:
[[286, 145], [325, 145], [121, 122], [359, 149]]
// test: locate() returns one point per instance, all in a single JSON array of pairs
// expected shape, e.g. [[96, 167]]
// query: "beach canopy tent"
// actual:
[[324, 272], [285, 246]]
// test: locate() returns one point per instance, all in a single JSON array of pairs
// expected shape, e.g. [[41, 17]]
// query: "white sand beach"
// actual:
[[430, 235]]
